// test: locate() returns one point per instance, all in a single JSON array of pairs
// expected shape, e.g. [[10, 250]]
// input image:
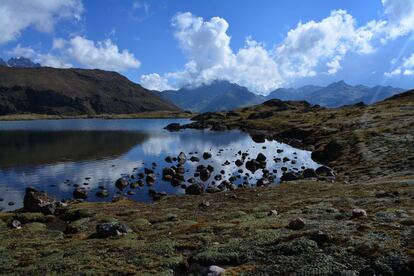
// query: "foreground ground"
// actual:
[[361, 224]]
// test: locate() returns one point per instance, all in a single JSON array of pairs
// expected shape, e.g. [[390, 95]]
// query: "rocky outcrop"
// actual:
[[36, 201]]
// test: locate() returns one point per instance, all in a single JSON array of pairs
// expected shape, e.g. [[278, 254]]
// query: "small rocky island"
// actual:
[[353, 215]]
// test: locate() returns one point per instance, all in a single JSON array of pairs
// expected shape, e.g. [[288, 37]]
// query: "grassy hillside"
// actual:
[[74, 92]]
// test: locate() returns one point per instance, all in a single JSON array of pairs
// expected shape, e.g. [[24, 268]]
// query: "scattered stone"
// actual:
[[182, 158], [272, 213], [296, 224], [262, 182], [204, 174], [214, 270], [109, 229], [324, 171], [204, 203], [80, 193], [289, 176], [102, 193], [261, 157], [131, 193], [309, 173], [357, 213], [35, 201], [320, 237], [16, 224], [150, 179], [206, 155], [121, 183], [238, 162], [168, 159], [194, 159], [148, 171], [194, 189], [173, 127]]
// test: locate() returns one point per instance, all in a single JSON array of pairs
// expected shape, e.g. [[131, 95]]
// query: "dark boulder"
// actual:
[[35, 201], [206, 155], [80, 193], [121, 183], [309, 173], [330, 152], [109, 229], [173, 127], [289, 176], [102, 193], [194, 189]]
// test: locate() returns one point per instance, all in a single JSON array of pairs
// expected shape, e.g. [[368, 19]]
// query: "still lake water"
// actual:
[[54, 155]]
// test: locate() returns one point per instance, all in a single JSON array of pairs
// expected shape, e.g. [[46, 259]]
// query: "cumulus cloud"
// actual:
[[102, 54], [155, 82], [47, 59], [17, 15], [400, 15], [405, 69], [307, 49]]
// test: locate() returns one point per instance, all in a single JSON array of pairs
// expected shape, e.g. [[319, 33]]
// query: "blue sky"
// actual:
[[261, 44]]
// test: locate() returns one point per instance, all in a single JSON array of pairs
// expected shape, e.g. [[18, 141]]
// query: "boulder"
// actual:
[[35, 201], [214, 270], [173, 127], [194, 159], [121, 183], [102, 193], [261, 157], [296, 224], [194, 189], [309, 173], [109, 229], [182, 158], [289, 176], [206, 155], [80, 193]]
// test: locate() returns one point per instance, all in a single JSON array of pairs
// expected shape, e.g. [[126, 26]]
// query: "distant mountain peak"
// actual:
[[19, 62], [22, 62]]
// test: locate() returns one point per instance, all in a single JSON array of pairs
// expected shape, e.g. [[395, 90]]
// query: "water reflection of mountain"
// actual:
[[22, 148]]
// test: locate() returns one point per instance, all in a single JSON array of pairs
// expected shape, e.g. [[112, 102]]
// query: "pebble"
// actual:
[[357, 213], [214, 270]]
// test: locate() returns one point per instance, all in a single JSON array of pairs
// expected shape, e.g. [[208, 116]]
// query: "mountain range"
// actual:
[[223, 95], [70, 92], [19, 62], [217, 96]]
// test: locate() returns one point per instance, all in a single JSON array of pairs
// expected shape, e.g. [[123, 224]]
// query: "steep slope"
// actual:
[[74, 92], [217, 96]]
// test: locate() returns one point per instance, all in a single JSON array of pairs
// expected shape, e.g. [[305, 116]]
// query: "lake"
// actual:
[[58, 155]]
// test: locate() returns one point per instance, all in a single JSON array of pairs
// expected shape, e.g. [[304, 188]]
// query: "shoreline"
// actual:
[[143, 115]]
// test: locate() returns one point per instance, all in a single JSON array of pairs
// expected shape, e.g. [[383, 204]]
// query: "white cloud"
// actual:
[[400, 15], [307, 50], [47, 59], [102, 54], [155, 82], [406, 68], [17, 15]]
